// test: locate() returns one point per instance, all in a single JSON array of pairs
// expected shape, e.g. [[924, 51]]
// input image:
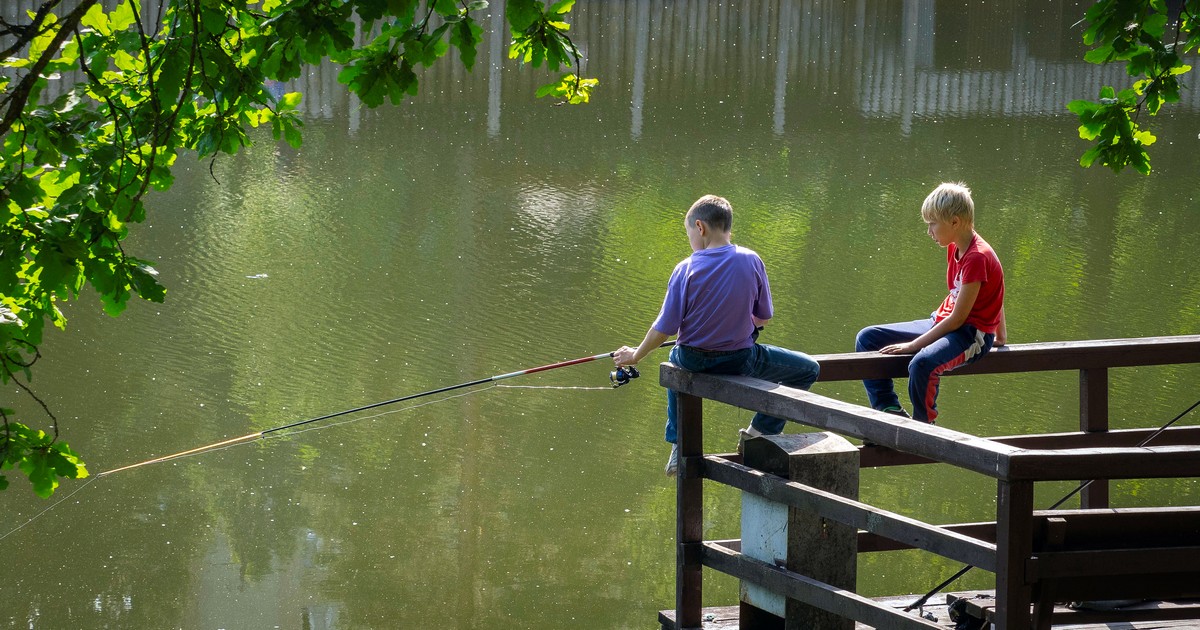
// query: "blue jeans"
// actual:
[[769, 363], [959, 347]]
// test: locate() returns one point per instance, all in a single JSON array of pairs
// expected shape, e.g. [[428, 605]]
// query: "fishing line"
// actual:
[[618, 378], [1080, 488], [50, 507], [576, 387]]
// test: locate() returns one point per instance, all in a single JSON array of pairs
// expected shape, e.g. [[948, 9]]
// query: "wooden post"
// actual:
[[1014, 547], [689, 516], [1093, 417], [803, 541]]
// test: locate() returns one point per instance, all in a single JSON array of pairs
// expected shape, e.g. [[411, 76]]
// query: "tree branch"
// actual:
[[26, 32], [17, 99]]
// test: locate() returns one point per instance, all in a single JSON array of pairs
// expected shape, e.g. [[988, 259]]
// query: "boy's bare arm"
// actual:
[[630, 356], [1001, 331], [954, 321]]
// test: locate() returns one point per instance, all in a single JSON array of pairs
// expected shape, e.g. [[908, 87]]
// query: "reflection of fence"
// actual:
[[1039, 557], [884, 57]]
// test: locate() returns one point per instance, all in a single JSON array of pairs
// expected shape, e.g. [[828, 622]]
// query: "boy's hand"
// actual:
[[899, 348], [624, 356]]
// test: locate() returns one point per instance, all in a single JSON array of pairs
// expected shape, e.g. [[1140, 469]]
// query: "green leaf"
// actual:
[[95, 18], [522, 14], [1155, 25], [562, 7], [122, 17], [291, 100], [212, 21], [145, 282], [466, 37]]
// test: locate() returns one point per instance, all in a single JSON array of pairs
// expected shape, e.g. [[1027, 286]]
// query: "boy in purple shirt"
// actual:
[[717, 300]]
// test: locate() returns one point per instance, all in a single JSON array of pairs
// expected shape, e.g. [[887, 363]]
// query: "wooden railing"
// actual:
[[1038, 557]]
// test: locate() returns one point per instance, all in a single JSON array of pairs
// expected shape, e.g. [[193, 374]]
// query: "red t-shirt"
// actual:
[[978, 263]]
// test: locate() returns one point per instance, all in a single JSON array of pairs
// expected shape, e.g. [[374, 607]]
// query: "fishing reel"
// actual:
[[623, 375]]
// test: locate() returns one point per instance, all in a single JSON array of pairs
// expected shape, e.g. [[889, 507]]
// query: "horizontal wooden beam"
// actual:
[[1115, 563], [1028, 357], [1148, 462], [849, 512], [870, 542], [1174, 436], [1112, 528], [1159, 586], [931, 441], [1156, 611], [796, 586]]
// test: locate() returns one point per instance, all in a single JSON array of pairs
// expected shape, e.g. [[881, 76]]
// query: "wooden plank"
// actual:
[[931, 441], [689, 509], [849, 512], [1174, 436], [1032, 357], [1110, 528], [1014, 539], [1148, 462], [870, 542], [1113, 562], [726, 617], [1093, 418], [1148, 615], [811, 591], [1144, 586], [1151, 615]]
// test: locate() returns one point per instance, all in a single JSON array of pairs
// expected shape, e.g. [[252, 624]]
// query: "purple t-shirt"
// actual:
[[711, 296]]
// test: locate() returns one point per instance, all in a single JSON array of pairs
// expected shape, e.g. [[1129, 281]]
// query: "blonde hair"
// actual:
[[948, 201]]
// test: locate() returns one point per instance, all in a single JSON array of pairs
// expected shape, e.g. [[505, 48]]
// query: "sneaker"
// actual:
[[672, 468], [743, 435], [896, 410]]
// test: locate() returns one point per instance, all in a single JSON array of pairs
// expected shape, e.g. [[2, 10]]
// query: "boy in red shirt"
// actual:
[[965, 327]]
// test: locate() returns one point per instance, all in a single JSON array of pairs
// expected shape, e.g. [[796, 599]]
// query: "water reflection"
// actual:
[[475, 231]]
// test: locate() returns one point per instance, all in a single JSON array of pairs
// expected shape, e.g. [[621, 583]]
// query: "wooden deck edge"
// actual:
[[726, 617], [1142, 616]]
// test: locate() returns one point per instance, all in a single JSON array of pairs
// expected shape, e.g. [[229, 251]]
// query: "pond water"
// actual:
[[476, 230]]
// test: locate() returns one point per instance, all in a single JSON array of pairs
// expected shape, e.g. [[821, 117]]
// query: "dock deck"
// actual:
[[979, 603]]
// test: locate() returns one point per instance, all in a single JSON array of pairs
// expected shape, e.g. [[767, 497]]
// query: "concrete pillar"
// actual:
[[802, 542]]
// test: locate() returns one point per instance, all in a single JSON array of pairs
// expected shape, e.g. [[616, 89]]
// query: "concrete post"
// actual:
[[802, 542]]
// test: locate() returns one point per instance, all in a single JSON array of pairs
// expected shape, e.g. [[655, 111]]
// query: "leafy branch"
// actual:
[[1133, 32], [75, 170]]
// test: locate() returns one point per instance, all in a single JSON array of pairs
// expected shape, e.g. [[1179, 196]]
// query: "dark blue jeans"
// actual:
[[959, 347], [770, 363]]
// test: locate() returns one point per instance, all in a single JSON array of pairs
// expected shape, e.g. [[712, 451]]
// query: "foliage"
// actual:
[[185, 75], [1150, 40]]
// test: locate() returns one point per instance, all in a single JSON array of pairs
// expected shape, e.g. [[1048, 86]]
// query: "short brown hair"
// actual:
[[713, 210]]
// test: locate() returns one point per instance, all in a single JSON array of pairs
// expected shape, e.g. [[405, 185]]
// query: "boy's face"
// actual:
[[942, 231]]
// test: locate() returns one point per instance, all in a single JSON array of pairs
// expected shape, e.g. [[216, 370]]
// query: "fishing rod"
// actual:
[[618, 377], [1080, 488]]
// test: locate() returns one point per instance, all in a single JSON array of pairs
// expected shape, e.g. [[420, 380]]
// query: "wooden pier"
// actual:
[[981, 604], [1039, 557]]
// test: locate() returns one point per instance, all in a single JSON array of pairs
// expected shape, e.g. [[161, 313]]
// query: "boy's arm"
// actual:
[[630, 356], [1001, 331], [954, 321]]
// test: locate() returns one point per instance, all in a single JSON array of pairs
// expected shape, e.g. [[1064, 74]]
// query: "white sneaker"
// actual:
[[746, 434], [672, 468]]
